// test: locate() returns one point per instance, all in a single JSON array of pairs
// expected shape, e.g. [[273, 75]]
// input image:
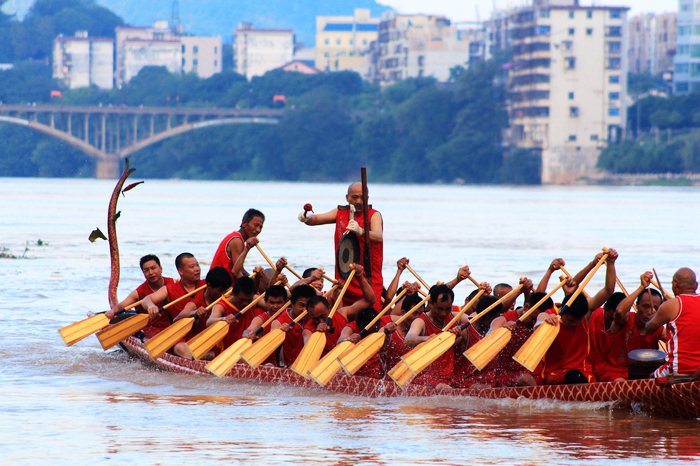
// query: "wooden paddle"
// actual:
[[402, 373], [329, 365], [263, 348], [370, 345], [426, 285], [488, 347], [301, 278], [657, 284], [166, 339], [222, 364], [274, 267], [571, 276], [124, 329], [533, 350], [619, 283], [73, 333], [311, 353]]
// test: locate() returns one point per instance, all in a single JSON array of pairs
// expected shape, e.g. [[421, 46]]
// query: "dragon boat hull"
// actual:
[[680, 400]]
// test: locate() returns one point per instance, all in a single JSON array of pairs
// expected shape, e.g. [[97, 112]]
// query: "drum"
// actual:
[[348, 253], [642, 363]]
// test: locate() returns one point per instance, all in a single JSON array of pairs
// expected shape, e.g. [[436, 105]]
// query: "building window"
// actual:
[[570, 63], [594, 137], [695, 51], [571, 96], [183, 62], [350, 41], [421, 60], [216, 50], [195, 49], [216, 63], [543, 30], [589, 14], [613, 31], [327, 41], [614, 112], [571, 14], [589, 32], [683, 49], [573, 112], [364, 41], [614, 47], [682, 87], [572, 137], [195, 62], [614, 95], [615, 14], [686, 7], [567, 44], [337, 42], [326, 55], [544, 13], [614, 63], [683, 30], [681, 68], [183, 49], [572, 31], [694, 70]]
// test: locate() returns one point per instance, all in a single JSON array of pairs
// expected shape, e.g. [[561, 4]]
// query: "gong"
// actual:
[[348, 253], [642, 362]]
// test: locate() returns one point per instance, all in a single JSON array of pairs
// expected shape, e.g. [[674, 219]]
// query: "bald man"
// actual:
[[351, 218], [681, 316]]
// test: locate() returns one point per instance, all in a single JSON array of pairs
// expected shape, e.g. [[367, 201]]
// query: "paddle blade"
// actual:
[[310, 354], [533, 350], [434, 348], [203, 342], [223, 363], [488, 348], [73, 333], [353, 360], [401, 374], [328, 366], [263, 348], [166, 339], [121, 331]]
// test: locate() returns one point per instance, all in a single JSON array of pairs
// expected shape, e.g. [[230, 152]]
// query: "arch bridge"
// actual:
[[110, 133]]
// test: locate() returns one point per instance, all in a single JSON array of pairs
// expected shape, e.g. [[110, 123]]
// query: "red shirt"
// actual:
[[235, 331], [373, 367], [293, 341], [683, 334], [175, 290], [568, 352], [441, 368], [337, 325], [221, 257], [395, 349], [145, 289], [354, 292], [511, 316]]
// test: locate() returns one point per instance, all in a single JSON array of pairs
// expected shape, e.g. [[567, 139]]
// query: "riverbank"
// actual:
[[656, 179]]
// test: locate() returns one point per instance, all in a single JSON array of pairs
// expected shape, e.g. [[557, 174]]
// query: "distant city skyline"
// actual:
[[457, 10]]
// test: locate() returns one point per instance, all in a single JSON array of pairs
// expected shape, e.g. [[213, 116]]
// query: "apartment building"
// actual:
[[567, 84], [686, 76], [343, 42], [257, 51], [82, 61], [652, 43], [201, 55]]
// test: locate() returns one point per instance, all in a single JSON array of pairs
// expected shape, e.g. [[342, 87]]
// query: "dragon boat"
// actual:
[[650, 396]]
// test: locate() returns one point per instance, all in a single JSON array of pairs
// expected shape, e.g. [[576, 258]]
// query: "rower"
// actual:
[[503, 289], [218, 282], [319, 309], [189, 271], [341, 218], [397, 346], [601, 340], [372, 368], [624, 331], [226, 310], [153, 273], [234, 248], [681, 315], [275, 297], [293, 341], [313, 277]]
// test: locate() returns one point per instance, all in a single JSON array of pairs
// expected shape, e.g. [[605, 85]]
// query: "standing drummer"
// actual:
[[341, 216]]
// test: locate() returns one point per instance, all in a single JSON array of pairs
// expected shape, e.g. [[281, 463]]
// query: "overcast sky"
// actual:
[[465, 10]]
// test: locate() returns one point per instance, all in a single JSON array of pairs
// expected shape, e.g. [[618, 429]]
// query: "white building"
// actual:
[[343, 42], [257, 51], [652, 43], [160, 46], [568, 84], [83, 61], [686, 76], [411, 46]]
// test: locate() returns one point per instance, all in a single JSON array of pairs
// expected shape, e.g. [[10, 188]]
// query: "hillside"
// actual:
[[220, 17]]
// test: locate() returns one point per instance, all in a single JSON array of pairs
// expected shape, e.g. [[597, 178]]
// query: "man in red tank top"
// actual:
[[234, 248], [226, 310], [681, 316], [397, 347], [153, 273], [293, 341], [341, 218], [319, 310], [189, 270], [373, 367]]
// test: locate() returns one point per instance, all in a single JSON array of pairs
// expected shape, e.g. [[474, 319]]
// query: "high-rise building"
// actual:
[[343, 42], [567, 84], [686, 76], [82, 61], [160, 46], [257, 51], [652, 43], [410, 46]]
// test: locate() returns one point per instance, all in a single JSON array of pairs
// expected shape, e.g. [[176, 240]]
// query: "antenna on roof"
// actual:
[[175, 20]]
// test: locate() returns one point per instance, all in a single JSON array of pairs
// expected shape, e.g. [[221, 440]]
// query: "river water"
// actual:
[[80, 405]]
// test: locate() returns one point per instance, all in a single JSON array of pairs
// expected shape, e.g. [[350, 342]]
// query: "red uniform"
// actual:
[[222, 258], [511, 316], [373, 367], [440, 371], [396, 348], [464, 370], [354, 292], [683, 335], [235, 331], [611, 362], [145, 289], [293, 341], [175, 290], [568, 352], [200, 324], [337, 325]]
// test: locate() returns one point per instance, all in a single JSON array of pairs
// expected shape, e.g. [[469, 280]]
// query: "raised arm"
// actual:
[[594, 302], [394, 285], [667, 311], [622, 310], [462, 274], [368, 298], [318, 219], [525, 290], [238, 250], [555, 265]]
